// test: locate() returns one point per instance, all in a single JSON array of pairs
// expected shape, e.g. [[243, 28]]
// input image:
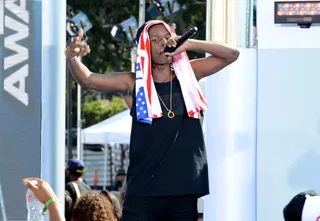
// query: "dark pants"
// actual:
[[174, 208]]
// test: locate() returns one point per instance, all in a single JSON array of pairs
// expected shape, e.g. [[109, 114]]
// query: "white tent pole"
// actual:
[[79, 123], [105, 166]]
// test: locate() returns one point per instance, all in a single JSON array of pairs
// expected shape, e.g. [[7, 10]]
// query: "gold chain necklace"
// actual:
[[170, 113]]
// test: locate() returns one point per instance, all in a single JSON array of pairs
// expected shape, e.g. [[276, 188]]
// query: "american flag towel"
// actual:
[[147, 102]]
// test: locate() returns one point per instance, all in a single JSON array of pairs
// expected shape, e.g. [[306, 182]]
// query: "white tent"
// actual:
[[115, 129]]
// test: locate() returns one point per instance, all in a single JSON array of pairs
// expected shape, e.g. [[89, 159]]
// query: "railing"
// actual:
[[117, 157]]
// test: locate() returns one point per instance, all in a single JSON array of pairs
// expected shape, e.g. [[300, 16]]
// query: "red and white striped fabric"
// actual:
[[147, 102]]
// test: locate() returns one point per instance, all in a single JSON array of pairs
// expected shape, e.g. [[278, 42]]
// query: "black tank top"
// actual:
[[168, 157]]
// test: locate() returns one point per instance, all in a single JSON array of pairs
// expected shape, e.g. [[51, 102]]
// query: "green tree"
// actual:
[[96, 111]]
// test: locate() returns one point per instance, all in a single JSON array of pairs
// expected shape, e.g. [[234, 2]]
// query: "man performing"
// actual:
[[168, 167]]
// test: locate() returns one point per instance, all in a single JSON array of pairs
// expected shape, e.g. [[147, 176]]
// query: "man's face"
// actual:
[[158, 36]]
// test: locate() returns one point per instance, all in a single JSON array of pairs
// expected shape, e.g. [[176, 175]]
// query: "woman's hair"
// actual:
[[92, 206], [115, 203]]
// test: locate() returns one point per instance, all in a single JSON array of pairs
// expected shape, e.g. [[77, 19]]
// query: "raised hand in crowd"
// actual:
[[44, 193]]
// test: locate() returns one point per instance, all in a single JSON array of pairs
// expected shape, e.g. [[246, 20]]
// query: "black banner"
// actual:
[[20, 102]]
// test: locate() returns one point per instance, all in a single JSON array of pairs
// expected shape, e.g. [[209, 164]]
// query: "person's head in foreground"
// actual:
[[114, 202], [305, 206], [93, 206]]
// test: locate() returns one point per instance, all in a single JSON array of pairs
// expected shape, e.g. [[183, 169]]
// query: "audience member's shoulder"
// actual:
[[87, 186], [68, 185]]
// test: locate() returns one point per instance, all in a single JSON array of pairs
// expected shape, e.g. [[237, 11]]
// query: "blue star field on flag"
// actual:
[[141, 104]]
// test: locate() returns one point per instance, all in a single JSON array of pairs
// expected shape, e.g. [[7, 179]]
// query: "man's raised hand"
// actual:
[[76, 47]]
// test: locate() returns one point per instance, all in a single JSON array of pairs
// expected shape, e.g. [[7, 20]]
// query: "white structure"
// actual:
[[288, 137], [230, 121], [116, 129], [53, 94], [262, 125], [200, 205]]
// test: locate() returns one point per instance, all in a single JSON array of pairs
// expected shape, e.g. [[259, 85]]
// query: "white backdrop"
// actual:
[[230, 141], [288, 112], [263, 124], [288, 157]]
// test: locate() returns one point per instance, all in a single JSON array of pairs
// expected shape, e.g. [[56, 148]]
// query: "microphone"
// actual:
[[181, 40]]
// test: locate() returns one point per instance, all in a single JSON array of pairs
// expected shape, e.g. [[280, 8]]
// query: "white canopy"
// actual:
[[115, 129]]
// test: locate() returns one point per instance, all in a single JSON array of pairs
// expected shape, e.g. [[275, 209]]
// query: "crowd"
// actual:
[[79, 197], [82, 203]]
